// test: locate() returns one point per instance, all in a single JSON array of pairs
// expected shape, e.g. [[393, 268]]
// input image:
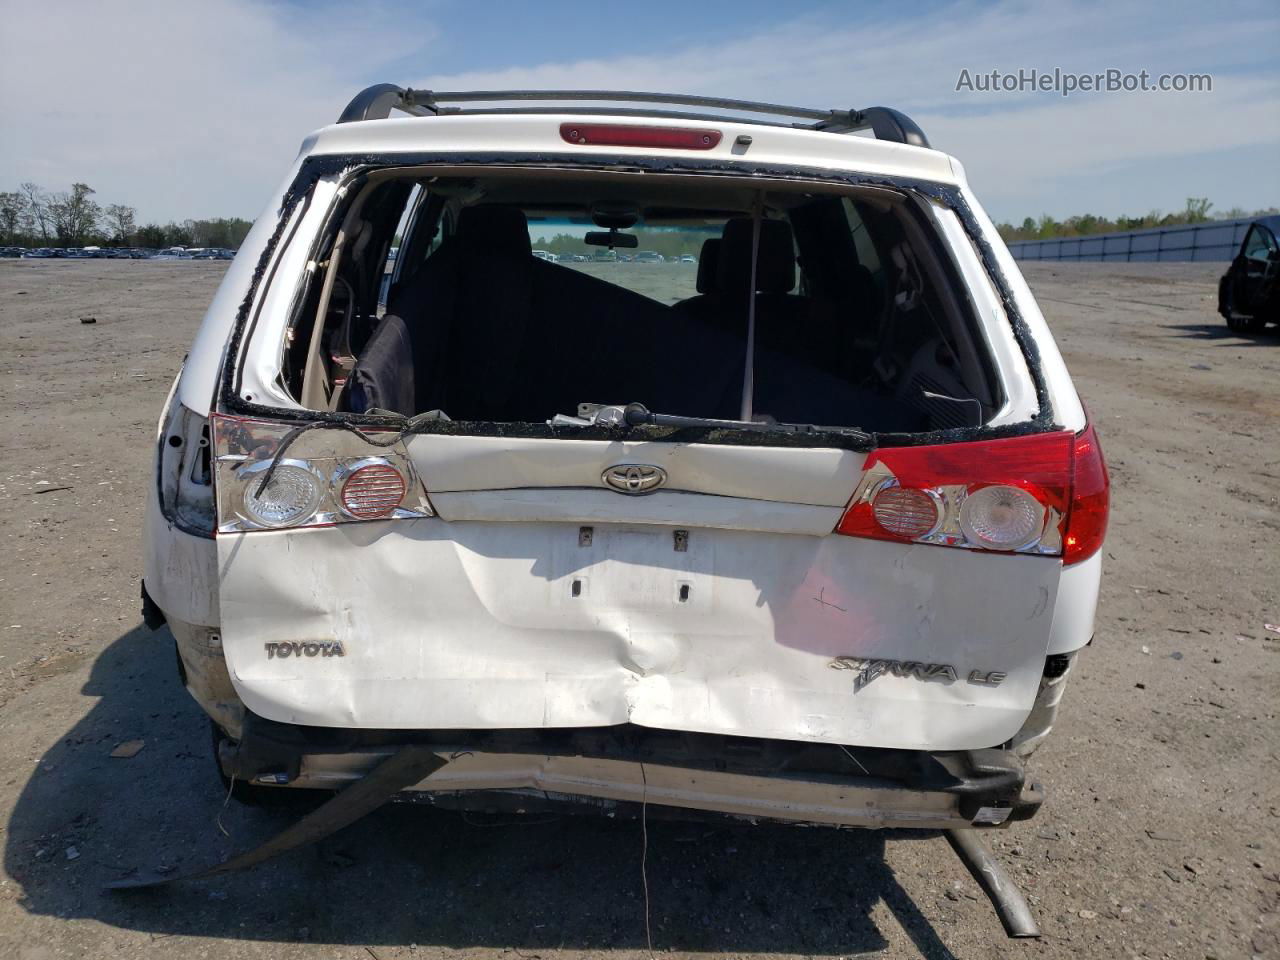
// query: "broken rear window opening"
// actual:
[[553, 299]]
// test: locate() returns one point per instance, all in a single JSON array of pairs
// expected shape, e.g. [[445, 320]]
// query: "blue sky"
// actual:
[[197, 109]]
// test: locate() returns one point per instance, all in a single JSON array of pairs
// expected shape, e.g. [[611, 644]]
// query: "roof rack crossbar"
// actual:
[[432, 97], [378, 101], [618, 112]]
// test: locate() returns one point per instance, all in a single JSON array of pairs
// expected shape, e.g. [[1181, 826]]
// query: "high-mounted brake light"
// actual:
[[1043, 493], [634, 135]]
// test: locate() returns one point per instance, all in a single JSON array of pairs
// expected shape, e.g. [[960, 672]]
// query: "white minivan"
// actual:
[[812, 536]]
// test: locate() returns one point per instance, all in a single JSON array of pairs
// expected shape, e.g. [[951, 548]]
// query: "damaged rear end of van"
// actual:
[[797, 518]]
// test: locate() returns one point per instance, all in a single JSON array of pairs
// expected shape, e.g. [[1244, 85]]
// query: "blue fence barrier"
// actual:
[[1216, 240]]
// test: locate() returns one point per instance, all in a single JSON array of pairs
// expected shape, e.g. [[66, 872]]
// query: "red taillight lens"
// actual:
[[1086, 524], [1043, 493], [626, 135], [372, 491]]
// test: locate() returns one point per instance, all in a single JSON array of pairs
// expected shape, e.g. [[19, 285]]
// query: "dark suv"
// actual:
[[1248, 295]]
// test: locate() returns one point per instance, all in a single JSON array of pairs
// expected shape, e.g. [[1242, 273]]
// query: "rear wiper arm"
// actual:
[[637, 415]]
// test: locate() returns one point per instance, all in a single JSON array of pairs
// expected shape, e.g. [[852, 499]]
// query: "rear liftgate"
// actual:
[[902, 600], [526, 579]]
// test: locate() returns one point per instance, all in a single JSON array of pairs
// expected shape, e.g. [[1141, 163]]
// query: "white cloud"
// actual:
[[197, 109], [182, 109], [1025, 152]]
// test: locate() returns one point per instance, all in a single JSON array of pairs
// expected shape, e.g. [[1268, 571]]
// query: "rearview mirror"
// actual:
[[611, 239]]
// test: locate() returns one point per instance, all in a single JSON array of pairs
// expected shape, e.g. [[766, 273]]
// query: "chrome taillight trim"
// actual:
[[245, 447]]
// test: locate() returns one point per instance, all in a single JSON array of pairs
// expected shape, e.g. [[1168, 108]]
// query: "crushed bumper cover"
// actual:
[[611, 768]]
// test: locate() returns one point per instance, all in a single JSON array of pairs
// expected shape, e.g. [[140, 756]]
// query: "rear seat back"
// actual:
[[544, 334], [496, 334]]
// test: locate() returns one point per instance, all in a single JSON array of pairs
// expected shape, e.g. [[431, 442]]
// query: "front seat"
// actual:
[[781, 316]]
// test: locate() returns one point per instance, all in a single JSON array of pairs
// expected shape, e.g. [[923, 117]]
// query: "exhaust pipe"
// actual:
[[1011, 906]]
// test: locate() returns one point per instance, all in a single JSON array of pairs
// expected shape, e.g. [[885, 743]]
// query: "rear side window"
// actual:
[[1259, 244]]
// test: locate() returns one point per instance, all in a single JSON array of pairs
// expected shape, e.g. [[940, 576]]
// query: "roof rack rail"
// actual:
[[377, 102]]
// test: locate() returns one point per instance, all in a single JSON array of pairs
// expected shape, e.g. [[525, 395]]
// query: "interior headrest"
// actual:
[[776, 265], [708, 265], [494, 230]]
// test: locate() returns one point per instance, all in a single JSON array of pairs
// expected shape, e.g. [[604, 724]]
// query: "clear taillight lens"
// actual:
[[289, 495], [1042, 493], [1001, 517]]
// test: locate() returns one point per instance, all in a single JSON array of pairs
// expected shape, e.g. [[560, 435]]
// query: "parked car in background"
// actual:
[[649, 256], [1249, 292]]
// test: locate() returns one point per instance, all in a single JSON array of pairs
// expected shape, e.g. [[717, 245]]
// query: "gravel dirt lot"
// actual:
[[1160, 838]]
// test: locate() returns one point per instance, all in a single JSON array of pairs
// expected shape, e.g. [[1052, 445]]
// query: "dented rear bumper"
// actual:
[[609, 769]]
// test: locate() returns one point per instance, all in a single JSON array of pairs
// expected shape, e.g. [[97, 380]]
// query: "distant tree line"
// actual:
[[32, 217], [1196, 211]]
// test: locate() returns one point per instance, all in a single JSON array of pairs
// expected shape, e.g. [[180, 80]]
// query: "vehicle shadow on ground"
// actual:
[[1270, 336], [414, 875]]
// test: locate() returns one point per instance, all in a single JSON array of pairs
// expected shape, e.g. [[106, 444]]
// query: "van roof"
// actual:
[[889, 141], [378, 101], [523, 134]]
